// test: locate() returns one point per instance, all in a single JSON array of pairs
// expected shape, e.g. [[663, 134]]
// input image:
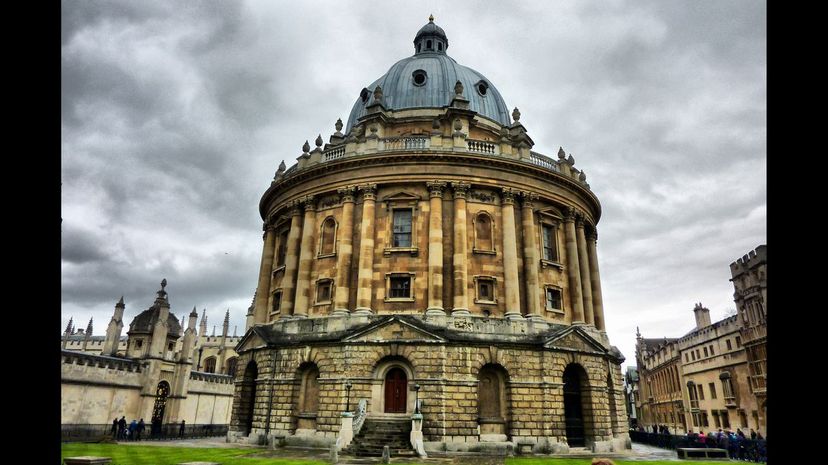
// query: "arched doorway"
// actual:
[[161, 393], [573, 407], [307, 400], [492, 400], [247, 398], [396, 390]]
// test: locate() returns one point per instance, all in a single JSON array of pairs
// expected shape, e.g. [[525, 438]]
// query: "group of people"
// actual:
[[122, 432], [737, 443]]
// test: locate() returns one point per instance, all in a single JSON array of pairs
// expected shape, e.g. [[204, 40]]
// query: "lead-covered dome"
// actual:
[[427, 80]]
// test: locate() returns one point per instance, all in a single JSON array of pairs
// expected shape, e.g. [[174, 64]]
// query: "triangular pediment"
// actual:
[[393, 330], [400, 196], [574, 339], [251, 340]]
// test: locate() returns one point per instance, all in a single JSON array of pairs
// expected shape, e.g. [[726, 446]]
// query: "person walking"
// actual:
[[139, 429], [752, 434], [133, 426], [115, 428], [181, 430]]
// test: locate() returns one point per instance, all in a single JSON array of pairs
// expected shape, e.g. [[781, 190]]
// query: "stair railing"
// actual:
[[359, 415]]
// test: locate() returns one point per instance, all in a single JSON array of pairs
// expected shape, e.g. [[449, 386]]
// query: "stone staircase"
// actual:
[[379, 432]]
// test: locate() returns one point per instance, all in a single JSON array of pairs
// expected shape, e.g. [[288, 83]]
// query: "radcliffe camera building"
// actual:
[[428, 253], [715, 375]]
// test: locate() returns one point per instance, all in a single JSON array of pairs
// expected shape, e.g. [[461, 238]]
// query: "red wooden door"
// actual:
[[396, 386]]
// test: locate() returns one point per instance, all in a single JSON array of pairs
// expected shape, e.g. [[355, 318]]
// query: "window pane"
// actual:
[[549, 245], [400, 287], [402, 228]]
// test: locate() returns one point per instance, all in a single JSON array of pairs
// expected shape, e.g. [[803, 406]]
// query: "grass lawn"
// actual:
[[551, 461], [158, 455]]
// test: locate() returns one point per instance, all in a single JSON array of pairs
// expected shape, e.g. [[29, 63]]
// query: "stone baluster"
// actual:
[[510, 265], [366, 250], [435, 249], [345, 252], [583, 263], [573, 268], [597, 298], [461, 274]]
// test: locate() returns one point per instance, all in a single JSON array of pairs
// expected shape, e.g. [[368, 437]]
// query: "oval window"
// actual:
[[420, 77], [482, 88]]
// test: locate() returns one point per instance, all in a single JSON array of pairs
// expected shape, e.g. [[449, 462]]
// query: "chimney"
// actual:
[[702, 316]]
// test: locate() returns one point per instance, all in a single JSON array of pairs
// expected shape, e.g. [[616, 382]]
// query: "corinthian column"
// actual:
[[262, 291], [573, 268], [345, 251], [365, 276], [302, 302], [510, 266], [530, 257], [291, 259], [583, 263], [461, 274], [435, 248], [595, 278]]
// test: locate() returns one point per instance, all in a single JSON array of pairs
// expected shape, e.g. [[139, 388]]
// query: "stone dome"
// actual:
[[427, 80], [145, 321]]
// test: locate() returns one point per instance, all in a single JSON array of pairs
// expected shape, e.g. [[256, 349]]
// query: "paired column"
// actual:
[[597, 298], [510, 266], [291, 259], [583, 263], [345, 252], [366, 250], [461, 274], [263, 289], [530, 257], [435, 248], [573, 268], [302, 302]]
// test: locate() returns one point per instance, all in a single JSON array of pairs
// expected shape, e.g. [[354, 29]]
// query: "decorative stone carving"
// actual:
[[338, 125], [561, 154], [461, 189], [569, 214], [305, 147], [378, 94], [528, 199], [346, 193], [319, 141], [458, 88], [509, 195], [435, 188], [516, 115], [369, 191], [458, 125], [481, 196], [308, 202]]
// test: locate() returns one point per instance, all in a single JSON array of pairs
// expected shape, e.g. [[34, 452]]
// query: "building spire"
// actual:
[[68, 329], [234, 330], [89, 328], [431, 18]]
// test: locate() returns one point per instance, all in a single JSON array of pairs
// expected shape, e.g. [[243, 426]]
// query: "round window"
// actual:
[[420, 77], [482, 88], [364, 95]]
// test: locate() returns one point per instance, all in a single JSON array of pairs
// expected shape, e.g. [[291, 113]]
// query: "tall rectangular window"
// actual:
[[705, 352], [277, 302], [711, 351], [712, 390], [550, 245], [729, 347], [402, 228], [700, 388], [281, 252], [738, 342], [553, 299]]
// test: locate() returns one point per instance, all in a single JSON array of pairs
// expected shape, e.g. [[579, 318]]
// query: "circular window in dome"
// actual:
[[420, 77], [364, 95], [482, 88]]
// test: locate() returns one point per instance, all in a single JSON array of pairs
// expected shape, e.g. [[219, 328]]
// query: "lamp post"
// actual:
[[348, 387], [416, 398]]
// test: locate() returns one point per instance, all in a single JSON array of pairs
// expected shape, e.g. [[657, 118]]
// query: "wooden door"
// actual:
[[396, 387]]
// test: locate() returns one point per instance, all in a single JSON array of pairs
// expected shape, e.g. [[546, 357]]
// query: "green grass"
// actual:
[[159, 455], [556, 461]]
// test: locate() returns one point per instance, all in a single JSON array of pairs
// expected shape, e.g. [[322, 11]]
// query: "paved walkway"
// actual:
[[639, 452]]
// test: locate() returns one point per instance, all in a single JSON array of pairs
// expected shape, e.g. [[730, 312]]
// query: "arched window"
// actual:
[[231, 365], [161, 393], [210, 365], [428, 45], [327, 237], [483, 233]]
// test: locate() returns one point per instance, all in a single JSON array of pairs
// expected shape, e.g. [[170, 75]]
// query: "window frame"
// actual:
[[273, 300], [546, 288], [399, 274], [476, 246], [320, 242], [553, 220], [401, 201], [321, 282], [478, 279]]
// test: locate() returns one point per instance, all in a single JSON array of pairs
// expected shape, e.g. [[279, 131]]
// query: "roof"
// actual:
[[654, 343], [442, 72], [144, 322]]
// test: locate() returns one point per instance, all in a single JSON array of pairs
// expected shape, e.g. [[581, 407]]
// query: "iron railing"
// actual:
[[751, 450], [98, 432]]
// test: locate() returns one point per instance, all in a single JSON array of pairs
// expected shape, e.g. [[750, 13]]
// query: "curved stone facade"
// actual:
[[432, 241]]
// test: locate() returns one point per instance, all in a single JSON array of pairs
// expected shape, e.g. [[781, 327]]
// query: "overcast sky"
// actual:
[[176, 114]]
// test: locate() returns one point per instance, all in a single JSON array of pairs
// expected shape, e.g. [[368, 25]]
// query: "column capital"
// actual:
[[346, 194], [268, 226], [369, 191], [308, 202], [293, 208], [580, 220], [592, 234], [508, 196], [569, 214], [460, 188], [435, 188], [528, 199]]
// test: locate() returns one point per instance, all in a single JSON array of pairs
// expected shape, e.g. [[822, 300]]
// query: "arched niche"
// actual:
[[577, 406], [493, 403], [306, 405], [392, 384]]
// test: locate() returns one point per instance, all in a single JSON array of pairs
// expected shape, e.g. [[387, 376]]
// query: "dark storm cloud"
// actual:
[[176, 115]]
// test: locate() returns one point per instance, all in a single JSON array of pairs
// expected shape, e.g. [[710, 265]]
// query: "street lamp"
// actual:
[[348, 387], [416, 398]]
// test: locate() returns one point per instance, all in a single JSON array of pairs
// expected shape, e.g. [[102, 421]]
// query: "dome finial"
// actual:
[[430, 18]]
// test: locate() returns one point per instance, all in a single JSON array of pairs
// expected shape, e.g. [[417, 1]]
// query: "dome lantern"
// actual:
[[431, 38]]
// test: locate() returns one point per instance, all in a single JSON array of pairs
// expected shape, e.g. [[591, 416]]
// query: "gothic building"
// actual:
[[427, 266]]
